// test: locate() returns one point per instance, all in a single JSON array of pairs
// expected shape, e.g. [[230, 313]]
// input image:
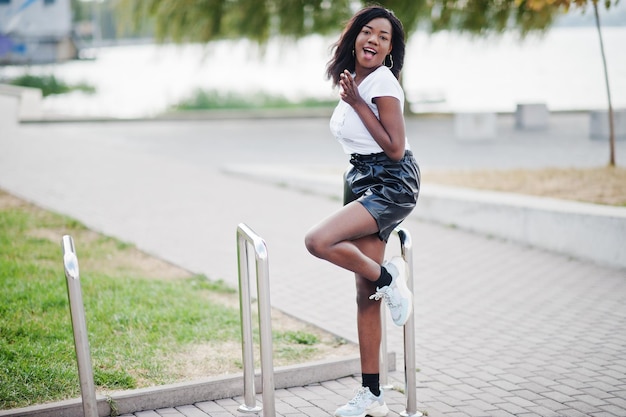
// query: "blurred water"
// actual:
[[443, 72], [563, 69]]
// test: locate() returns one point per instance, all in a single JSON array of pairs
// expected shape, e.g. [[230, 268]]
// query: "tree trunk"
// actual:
[[608, 89]]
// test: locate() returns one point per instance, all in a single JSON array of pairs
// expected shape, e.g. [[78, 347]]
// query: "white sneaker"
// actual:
[[397, 295], [364, 404]]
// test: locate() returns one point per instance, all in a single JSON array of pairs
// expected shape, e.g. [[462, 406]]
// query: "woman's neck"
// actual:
[[361, 73]]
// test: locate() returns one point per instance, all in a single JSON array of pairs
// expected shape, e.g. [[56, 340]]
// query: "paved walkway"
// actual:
[[502, 329]]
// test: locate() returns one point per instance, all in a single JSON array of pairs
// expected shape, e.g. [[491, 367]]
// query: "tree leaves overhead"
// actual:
[[409, 12], [303, 17], [206, 20], [565, 4], [482, 17]]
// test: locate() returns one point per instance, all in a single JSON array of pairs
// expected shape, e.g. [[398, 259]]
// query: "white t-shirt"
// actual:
[[345, 123]]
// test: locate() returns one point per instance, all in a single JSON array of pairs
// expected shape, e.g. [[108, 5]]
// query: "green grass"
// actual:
[[215, 100], [50, 85], [136, 323]]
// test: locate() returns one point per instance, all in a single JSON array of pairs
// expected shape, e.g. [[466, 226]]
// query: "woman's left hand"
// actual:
[[349, 91]]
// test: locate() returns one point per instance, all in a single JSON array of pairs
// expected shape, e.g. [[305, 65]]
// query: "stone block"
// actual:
[[8, 113], [599, 124], [475, 126], [29, 101], [532, 116]]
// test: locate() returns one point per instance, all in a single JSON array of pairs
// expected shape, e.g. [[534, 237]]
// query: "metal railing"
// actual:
[[79, 325], [246, 239], [410, 368]]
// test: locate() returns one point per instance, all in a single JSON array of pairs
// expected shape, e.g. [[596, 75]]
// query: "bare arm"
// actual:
[[389, 131]]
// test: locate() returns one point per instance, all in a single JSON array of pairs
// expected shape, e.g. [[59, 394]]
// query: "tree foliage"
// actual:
[[206, 20], [564, 5]]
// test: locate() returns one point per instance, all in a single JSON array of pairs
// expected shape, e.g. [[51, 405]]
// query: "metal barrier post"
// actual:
[[77, 311], [246, 238], [383, 369], [410, 368]]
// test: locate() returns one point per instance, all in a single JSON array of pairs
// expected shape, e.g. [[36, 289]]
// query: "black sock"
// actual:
[[384, 279], [372, 381]]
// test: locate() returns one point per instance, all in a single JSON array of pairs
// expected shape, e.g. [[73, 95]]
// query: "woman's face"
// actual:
[[373, 43]]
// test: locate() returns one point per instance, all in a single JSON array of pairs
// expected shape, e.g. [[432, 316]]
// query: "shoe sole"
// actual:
[[380, 411]]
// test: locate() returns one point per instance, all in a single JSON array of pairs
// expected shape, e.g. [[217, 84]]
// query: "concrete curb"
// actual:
[[192, 392], [581, 230]]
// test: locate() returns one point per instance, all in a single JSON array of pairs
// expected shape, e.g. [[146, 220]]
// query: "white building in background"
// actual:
[[35, 31]]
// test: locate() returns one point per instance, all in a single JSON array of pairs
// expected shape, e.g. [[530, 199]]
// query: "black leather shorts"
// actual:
[[387, 189]]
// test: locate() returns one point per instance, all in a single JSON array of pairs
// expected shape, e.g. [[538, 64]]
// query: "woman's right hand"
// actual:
[[349, 91]]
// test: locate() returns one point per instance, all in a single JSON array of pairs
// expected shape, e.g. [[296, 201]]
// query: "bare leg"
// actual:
[[368, 311], [349, 239], [334, 239]]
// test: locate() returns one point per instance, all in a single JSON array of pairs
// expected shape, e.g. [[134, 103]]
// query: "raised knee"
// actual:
[[313, 244]]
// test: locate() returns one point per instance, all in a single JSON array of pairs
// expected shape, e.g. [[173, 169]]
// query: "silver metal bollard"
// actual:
[[77, 310], [383, 369], [246, 238], [410, 368]]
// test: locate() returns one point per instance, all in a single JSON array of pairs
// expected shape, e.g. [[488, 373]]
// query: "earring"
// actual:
[[353, 52], [391, 61]]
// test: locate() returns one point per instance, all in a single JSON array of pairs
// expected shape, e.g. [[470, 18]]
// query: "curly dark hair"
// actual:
[[343, 59]]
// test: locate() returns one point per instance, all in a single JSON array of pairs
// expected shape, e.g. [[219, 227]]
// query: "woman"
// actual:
[[381, 188]]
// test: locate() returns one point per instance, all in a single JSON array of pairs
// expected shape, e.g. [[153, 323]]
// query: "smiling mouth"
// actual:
[[368, 51]]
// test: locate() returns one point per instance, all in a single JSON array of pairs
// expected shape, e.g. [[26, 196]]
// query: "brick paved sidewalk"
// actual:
[[316, 400], [503, 330]]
